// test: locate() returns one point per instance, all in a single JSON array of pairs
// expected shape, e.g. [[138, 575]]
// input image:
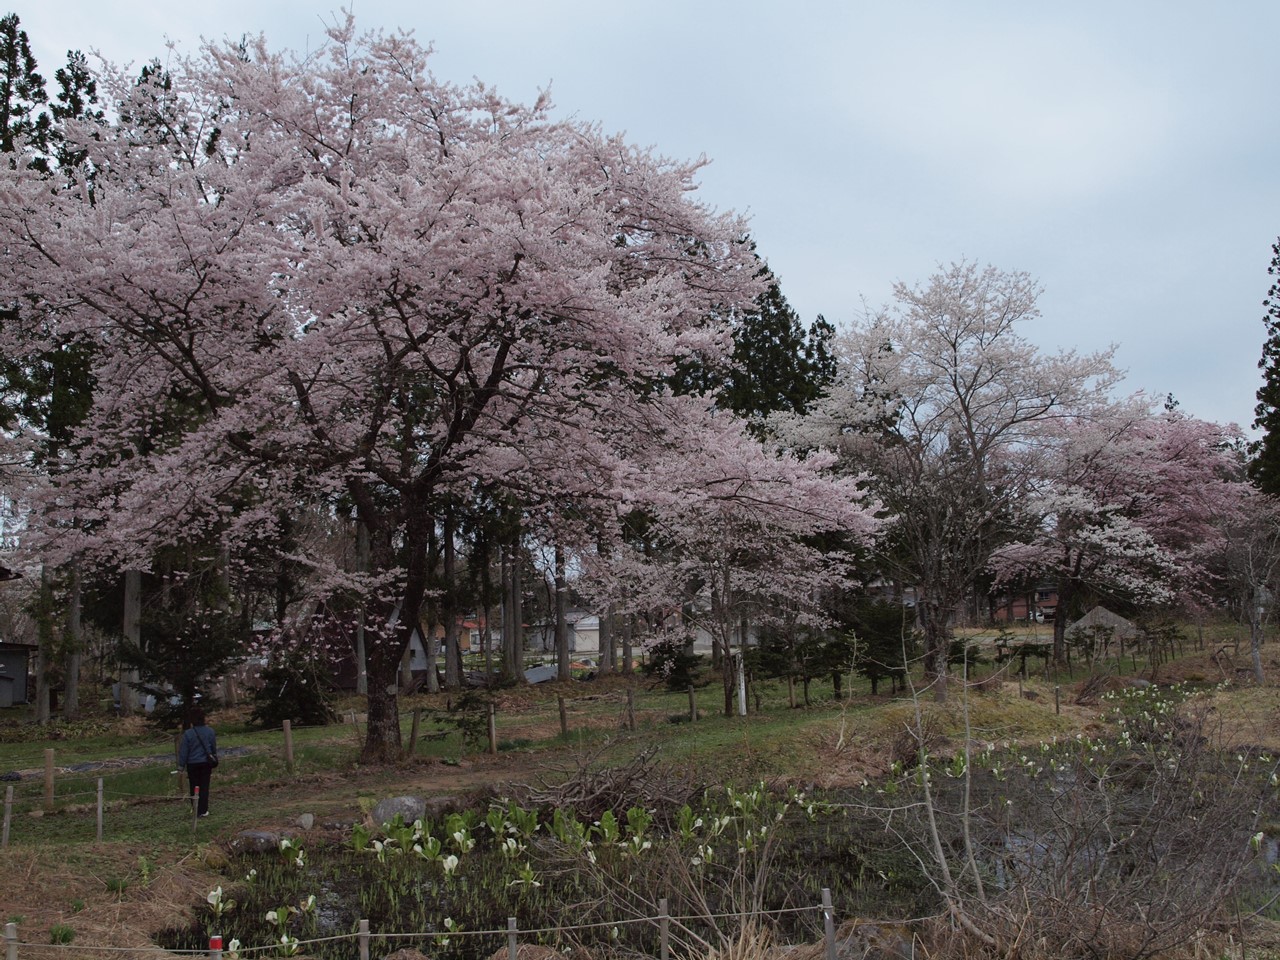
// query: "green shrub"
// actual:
[[292, 689]]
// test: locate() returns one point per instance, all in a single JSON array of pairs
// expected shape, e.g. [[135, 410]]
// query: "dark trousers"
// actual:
[[198, 776]]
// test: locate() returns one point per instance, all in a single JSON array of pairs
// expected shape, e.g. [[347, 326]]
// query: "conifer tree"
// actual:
[[1265, 466], [23, 116]]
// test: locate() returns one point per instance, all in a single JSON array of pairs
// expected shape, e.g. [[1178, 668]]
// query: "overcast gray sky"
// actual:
[[1125, 154]]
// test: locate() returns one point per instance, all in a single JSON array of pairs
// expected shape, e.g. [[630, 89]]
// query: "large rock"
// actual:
[[255, 841], [409, 808]]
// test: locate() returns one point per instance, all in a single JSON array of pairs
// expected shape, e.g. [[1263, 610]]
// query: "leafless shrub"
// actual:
[[590, 784], [1121, 848]]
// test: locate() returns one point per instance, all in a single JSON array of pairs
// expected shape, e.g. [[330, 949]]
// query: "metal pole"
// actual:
[[664, 928], [513, 950], [828, 924], [363, 938]]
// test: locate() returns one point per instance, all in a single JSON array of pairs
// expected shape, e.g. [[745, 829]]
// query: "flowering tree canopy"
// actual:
[[1128, 503], [949, 409], [342, 283]]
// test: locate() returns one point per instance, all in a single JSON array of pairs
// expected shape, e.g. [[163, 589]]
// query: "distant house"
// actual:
[[15, 661], [1037, 604], [583, 628]]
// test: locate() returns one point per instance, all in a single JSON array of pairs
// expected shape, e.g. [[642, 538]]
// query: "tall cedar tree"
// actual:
[[776, 366], [1265, 466], [22, 95]]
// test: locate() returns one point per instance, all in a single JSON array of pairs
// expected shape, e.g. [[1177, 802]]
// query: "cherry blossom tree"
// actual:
[[339, 284], [949, 409], [1127, 503], [1246, 566], [727, 538]]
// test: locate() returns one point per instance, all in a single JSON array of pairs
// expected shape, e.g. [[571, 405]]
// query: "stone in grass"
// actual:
[[409, 809], [307, 821], [255, 841]]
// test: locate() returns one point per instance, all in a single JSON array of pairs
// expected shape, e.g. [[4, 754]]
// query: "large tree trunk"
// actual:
[[452, 645], [75, 646], [1065, 593], [362, 566], [512, 638], [382, 732], [934, 624], [1255, 638], [562, 623], [391, 644], [132, 629], [608, 659], [44, 650]]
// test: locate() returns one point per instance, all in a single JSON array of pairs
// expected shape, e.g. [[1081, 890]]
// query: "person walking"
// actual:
[[198, 755]]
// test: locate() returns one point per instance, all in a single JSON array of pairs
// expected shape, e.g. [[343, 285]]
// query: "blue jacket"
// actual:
[[197, 744]]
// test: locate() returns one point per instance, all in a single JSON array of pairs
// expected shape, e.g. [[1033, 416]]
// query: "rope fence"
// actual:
[[363, 938]]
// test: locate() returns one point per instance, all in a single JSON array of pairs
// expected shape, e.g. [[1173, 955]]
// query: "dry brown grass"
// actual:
[[48, 886]]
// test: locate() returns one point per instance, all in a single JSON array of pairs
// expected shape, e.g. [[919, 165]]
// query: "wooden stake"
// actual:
[[693, 705], [8, 815], [493, 731], [664, 931], [631, 708], [564, 717], [513, 950], [288, 745], [48, 780], [363, 938], [99, 809], [413, 731], [828, 924]]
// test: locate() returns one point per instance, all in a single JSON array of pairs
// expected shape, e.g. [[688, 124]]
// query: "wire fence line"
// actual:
[[16, 948]]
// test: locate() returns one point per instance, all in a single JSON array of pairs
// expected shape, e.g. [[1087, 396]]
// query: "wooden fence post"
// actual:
[[288, 744], [48, 780], [8, 815], [513, 949], [493, 730], [693, 705], [182, 774], [664, 930], [631, 708], [828, 924], [413, 731], [564, 717], [363, 938], [11, 939], [99, 809], [1057, 699]]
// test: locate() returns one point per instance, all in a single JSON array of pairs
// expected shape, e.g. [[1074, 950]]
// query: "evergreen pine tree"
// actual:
[[1265, 466], [23, 116]]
